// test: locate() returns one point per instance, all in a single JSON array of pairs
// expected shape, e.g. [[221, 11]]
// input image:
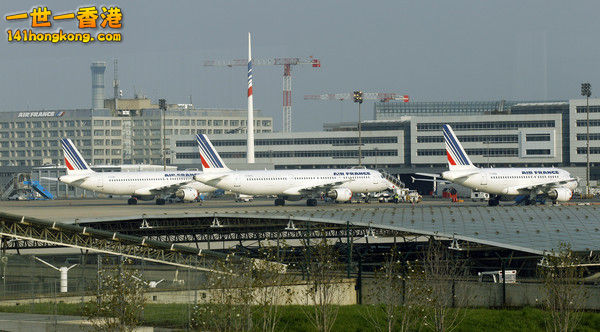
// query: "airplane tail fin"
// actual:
[[73, 159], [211, 160], [457, 157]]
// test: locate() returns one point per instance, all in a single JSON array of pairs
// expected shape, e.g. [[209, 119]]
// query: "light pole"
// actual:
[[358, 98], [162, 104], [586, 90]]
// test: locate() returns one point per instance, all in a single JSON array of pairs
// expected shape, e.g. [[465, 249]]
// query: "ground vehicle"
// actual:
[[479, 196], [496, 276], [399, 195], [243, 198]]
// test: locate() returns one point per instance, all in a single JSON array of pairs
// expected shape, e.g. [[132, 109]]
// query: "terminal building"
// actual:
[[407, 138], [106, 137]]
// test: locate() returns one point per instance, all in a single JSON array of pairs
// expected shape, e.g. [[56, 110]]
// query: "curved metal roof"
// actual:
[[534, 229]]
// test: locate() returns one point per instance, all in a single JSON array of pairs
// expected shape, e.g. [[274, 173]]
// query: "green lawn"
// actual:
[[350, 318]]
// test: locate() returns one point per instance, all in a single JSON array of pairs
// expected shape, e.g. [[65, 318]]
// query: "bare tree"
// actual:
[[119, 299], [230, 299], [323, 290], [395, 296], [270, 279], [247, 297], [564, 289], [436, 280]]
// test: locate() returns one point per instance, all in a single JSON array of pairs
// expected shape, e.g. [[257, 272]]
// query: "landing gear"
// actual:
[[132, 201], [495, 201], [160, 201], [279, 202], [311, 202]]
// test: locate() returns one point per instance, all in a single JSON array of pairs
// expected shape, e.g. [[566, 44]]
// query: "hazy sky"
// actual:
[[431, 50]]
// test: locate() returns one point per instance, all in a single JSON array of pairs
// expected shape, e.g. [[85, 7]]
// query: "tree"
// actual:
[[436, 280], [119, 299], [230, 299], [323, 290], [270, 277], [564, 289], [247, 297], [396, 297]]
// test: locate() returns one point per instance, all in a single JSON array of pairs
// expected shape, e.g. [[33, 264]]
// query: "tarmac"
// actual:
[[73, 210]]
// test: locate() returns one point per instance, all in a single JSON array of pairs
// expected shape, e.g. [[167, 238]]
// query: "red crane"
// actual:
[[287, 64]]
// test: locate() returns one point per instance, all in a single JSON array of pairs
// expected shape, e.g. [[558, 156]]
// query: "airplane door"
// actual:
[[484, 178], [237, 181]]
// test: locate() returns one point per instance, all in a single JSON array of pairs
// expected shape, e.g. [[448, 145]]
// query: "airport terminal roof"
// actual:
[[533, 229]]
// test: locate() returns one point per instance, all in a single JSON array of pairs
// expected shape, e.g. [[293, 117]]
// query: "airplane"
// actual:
[[288, 185], [140, 185], [528, 184]]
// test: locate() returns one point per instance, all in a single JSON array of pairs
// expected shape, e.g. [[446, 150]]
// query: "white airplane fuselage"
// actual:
[[134, 183], [503, 181], [287, 182]]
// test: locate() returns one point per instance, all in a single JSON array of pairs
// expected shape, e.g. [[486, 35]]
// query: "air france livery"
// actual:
[[140, 185], [531, 183], [291, 185]]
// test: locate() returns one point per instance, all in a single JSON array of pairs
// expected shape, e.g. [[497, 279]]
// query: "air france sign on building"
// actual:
[[39, 114]]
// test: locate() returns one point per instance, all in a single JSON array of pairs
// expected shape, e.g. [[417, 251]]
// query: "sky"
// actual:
[[430, 50]]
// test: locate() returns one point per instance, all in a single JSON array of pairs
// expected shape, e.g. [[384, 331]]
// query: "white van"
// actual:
[[496, 276]]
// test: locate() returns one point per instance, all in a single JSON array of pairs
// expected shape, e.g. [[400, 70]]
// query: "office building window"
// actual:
[[593, 109], [583, 123], [537, 152], [537, 137], [593, 150], [496, 125]]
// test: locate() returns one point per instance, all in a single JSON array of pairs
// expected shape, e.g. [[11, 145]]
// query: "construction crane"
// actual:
[[287, 64], [381, 96]]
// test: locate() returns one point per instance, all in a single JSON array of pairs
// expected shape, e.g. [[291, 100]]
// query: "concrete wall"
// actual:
[[467, 294], [489, 295], [344, 294]]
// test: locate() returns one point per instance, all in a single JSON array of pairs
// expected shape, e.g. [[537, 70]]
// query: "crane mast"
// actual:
[[287, 64]]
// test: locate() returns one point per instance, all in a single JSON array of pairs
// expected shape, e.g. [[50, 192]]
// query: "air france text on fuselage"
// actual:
[[180, 174], [351, 173], [539, 172]]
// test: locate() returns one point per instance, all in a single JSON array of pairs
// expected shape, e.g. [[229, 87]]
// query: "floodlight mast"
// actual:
[[162, 105], [586, 90], [358, 98]]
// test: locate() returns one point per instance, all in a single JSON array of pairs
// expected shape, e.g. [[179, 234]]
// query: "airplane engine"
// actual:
[[340, 194], [186, 194], [560, 194]]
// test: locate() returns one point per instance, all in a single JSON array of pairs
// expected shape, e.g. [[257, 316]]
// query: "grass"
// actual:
[[350, 318]]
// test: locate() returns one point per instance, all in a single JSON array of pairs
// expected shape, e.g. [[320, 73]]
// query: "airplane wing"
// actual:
[[429, 175], [429, 180], [305, 190], [545, 185], [166, 189], [49, 178]]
